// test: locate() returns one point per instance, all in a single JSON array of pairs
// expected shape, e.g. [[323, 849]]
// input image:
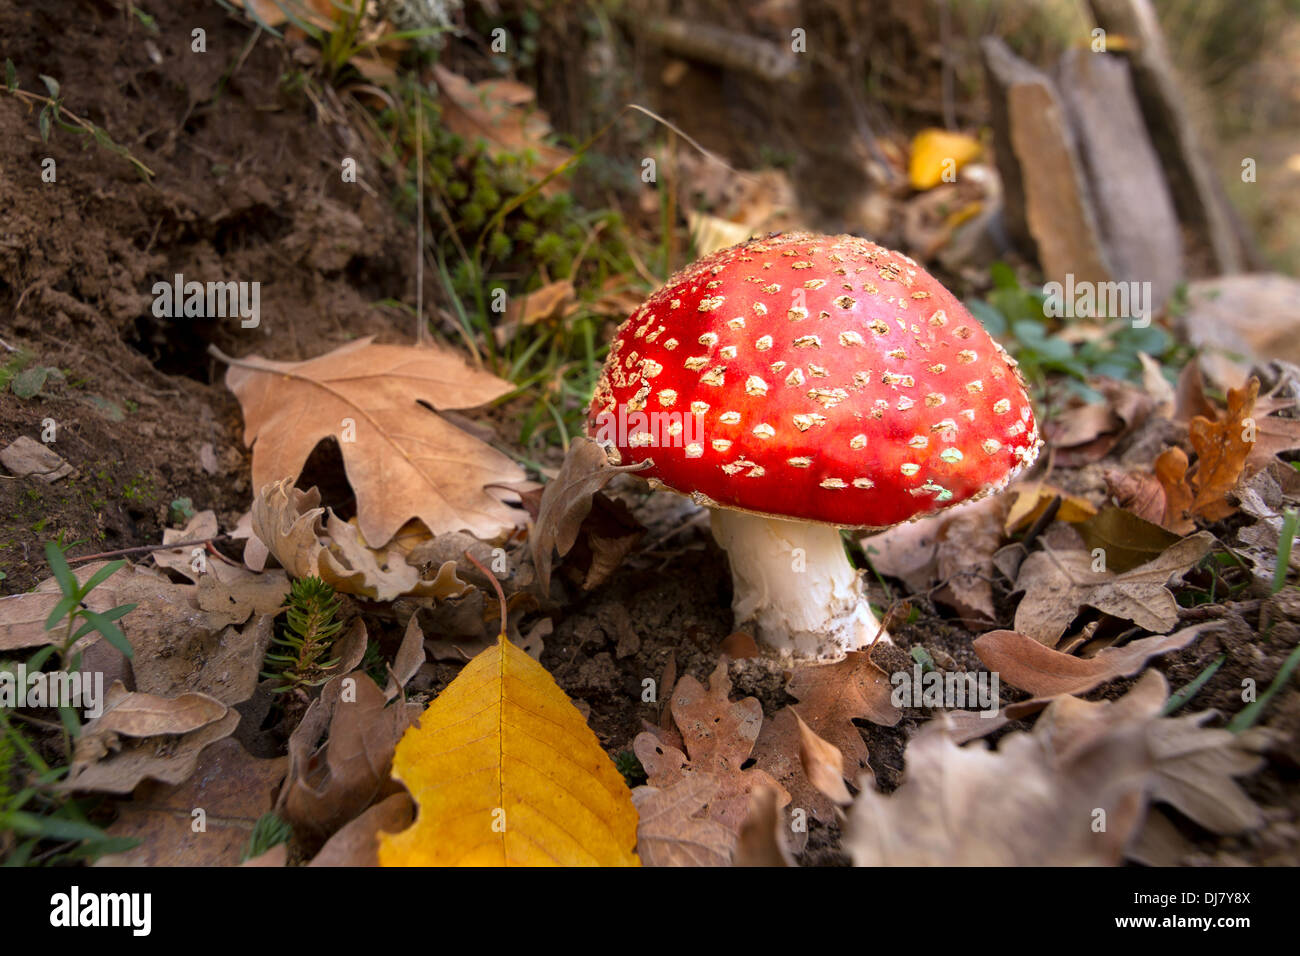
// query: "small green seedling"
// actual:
[[626, 762], [181, 510], [269, 831], [71, 616], [308, 637]]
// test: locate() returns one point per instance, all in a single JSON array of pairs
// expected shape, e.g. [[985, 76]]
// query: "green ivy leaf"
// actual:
[[11, 75], [43, 122], [51, 84], [1004, 277], [27, 384]]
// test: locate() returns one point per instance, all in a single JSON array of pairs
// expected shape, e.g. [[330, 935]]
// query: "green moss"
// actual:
[[139, 490], [17, 362]]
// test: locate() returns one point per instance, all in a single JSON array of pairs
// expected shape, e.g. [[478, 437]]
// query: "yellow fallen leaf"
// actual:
[[1033, 498], [935, 152], [506, 772]]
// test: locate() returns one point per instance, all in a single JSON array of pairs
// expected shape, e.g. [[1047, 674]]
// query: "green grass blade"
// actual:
[[1188, 692], [1286, 539], [1249, 714]]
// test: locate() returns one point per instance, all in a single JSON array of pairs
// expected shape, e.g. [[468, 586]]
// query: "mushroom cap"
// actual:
[[814, 378]]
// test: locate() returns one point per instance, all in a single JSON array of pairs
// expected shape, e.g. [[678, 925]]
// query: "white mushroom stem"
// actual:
[[795, 586]]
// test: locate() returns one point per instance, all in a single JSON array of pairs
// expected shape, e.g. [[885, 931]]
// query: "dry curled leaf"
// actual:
[[357, 842], [153, 739], [832, 695], [1025, 663], [762, 838], [309, 540], [505, 771], [567, 500], [778, 751], [233, 789], [674, 830], [183, 560], [823, 763], [1058, 583], [403, 459], [1222, 447], [719, 736], [1194, 766], [329, 785], [1171, 474], [410, 657], [1019, 805]]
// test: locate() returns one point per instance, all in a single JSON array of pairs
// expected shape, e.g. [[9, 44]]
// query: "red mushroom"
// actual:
[[799, 384]]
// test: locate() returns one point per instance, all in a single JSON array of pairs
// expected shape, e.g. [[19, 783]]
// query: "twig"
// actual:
[[36, 721], [248, 48], [946, 77], [1209, 612], [147, 548], [419, 215], [1046, 518], [501, 595]]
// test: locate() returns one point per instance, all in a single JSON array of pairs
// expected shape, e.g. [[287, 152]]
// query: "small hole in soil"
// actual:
[[175, 346], [255, 226]]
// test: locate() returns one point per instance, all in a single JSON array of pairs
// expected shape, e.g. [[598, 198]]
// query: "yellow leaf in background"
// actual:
[[712, 233], [506, 772], [935, 151], [1033, 498]]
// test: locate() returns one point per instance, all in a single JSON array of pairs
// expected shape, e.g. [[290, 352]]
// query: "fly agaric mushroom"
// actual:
[[799, 384]]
